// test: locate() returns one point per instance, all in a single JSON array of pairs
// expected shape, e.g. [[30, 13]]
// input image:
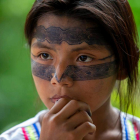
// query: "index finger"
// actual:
[[73, 107], [59, 105]]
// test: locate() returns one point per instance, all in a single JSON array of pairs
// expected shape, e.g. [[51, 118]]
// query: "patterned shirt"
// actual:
[[30, 129]]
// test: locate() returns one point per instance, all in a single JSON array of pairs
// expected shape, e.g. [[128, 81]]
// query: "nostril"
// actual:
[[54, 84], [67, 81], [53, 80], [64, 84]]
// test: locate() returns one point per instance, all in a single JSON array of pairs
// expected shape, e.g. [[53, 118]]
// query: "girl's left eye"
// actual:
[[45, 56], [85, 58]]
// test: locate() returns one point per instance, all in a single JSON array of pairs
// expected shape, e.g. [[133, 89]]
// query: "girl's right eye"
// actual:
[[45, 56]]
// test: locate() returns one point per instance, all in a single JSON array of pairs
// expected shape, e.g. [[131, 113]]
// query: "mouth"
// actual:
[[57, 97]]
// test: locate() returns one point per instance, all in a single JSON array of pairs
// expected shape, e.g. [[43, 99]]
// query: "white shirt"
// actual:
[[30, 129]]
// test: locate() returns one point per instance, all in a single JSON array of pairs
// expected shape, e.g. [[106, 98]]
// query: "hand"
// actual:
[[67, 120]]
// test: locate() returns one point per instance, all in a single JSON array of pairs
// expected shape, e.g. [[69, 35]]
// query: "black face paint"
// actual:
[[73, 36], [42, 71], [76, 73]]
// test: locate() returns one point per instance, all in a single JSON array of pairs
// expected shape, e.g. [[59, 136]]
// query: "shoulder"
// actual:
[[29, 128]]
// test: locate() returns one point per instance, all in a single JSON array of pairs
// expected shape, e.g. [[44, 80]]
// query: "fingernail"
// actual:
[[56, 101], [89, 113]]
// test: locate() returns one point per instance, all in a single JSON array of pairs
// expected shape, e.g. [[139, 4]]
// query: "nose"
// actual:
[[59, 77]]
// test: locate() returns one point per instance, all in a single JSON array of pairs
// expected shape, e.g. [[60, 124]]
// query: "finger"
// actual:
[[59, 105], [84, 130], [78, 119], [72, 107], [41, 117]]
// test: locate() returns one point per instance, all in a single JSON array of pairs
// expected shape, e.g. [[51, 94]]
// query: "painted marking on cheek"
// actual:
[[73, 36], [76, 73], [42, 71], [93, 72]]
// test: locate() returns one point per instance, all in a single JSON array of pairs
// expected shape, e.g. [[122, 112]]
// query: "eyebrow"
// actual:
[[40, 45]]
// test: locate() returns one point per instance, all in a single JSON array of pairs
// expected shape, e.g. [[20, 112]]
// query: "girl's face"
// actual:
[[71, 58]]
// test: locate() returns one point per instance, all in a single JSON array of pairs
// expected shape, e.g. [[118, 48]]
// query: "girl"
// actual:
[[79, 49]]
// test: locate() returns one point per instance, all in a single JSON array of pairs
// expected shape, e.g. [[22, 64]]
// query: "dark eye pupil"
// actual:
[[44, 55], [83, 57]]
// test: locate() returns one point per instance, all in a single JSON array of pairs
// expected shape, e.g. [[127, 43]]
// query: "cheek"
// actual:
[[92, 89], [42, 74], [44, 90], [97, 92]]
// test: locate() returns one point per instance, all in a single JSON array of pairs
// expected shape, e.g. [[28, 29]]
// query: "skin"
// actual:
[[70, 116]]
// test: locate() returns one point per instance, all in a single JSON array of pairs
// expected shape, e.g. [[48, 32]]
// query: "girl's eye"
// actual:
[[85, 58], [45, 56]]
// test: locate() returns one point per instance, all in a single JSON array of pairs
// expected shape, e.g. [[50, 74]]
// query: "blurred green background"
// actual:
[[18, 97]]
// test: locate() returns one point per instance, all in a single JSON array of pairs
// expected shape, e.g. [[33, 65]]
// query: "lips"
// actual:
[[57, 97]]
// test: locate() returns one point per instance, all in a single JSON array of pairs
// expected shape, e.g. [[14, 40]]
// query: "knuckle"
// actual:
[[87, 106], [64, 100], [65, 127], [74, 103], [88, 125], [85, 115], [71, 136], [46, 117], [54, 120]]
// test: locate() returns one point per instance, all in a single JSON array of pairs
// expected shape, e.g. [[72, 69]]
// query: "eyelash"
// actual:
[[86, 58], [44, 58], [77, 58]]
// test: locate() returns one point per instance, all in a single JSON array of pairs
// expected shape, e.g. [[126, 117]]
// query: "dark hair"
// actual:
[[115, 17]]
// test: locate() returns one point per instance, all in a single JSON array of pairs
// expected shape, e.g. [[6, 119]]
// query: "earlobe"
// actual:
[[122, 74]]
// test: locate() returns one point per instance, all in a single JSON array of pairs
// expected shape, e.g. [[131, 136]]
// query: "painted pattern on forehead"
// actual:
[[76, 73], [73, 36]]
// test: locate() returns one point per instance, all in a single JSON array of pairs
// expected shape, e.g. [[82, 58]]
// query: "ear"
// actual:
[[122, 74]]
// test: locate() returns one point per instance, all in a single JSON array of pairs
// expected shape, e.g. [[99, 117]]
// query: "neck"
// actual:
[[106, 118]]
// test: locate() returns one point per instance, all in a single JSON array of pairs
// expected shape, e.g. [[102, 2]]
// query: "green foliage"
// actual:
[[18, 96]]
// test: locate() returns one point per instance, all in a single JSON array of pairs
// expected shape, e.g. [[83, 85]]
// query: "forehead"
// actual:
[[56, 29], [63, 21]]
